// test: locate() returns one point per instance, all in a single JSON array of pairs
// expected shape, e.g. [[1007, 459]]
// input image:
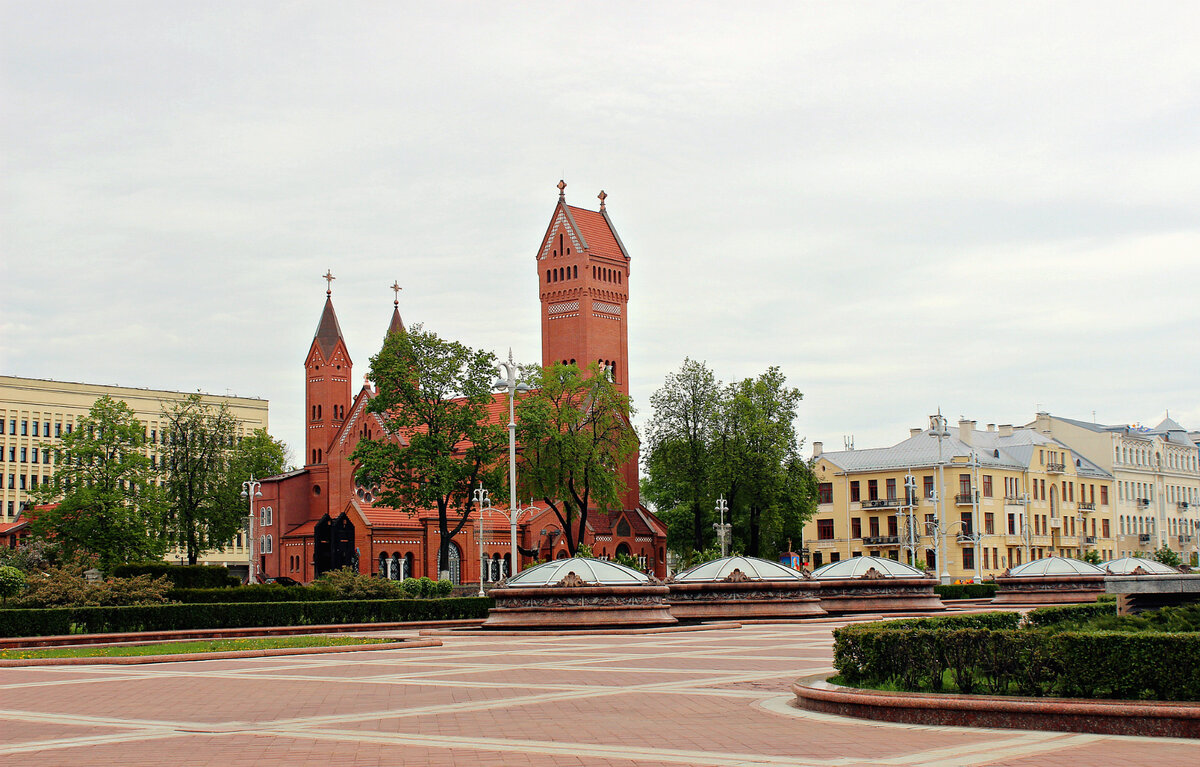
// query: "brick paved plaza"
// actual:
[[700, 698]]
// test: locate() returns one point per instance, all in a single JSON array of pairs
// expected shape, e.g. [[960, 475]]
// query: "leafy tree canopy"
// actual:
[[575, 435], [433, 396], [103, 491]]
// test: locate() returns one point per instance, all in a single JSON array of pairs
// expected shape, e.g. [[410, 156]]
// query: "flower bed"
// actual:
[[1054, 654]]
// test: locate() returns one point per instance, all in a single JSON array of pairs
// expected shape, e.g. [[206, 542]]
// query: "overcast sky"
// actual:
[[985, 207]]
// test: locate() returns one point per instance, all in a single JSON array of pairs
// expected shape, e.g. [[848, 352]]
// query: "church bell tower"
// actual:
[[583, 279], [326, 382]]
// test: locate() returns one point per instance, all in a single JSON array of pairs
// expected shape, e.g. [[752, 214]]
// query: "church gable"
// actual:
[[562, 237]]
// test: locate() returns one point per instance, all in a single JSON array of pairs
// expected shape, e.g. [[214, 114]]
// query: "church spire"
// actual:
[[397, 324], [329, 332]]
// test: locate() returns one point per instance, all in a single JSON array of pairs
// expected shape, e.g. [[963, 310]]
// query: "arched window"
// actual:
[[383, 565], [507, 565], [318, 411], [396, 568], [547, 275], [575, 272], [408, 565]]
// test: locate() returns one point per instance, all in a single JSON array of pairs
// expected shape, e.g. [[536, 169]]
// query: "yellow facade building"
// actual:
[[35, 413], [962, 502]]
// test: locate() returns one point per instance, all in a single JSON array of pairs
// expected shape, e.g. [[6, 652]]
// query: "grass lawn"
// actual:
[[176, 648]]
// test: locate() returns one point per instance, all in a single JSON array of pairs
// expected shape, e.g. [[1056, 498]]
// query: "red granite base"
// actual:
[[1048, 589], [875, 595], [575, 607], [1106, 717], [745, 600]]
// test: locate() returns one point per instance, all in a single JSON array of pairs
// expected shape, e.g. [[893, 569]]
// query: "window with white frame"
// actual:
[[265, 516]]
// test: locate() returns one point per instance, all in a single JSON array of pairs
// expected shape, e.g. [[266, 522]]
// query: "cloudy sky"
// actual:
[[985, 207]]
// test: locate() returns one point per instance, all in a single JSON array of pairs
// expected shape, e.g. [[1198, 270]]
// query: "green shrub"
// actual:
[[411, 587], [12, 582], [67, 587], [1142, 661], [349, 584], [180, 576], [257, 592], [174, 617], [996, 620], [443, 589], [1067, 614], [966, 590]]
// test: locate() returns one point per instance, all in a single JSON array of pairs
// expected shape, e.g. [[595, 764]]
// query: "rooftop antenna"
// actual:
[[848, 441]]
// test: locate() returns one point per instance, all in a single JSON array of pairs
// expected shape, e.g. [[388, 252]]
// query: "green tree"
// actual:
[[433, 396], [679, 460], [575, 436], [1167, 556], [1092, 557], [256, 455], [198, 459], [105, 500], [770, 489]]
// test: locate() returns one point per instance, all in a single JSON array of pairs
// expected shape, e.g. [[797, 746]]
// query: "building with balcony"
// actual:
[[992, 498], [35, 413], [1156, 479]]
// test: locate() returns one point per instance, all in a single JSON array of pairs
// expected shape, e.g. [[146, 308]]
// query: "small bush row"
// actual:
[[180, 576], [1049, 616], [966, 590], [173, 617], [319, 591]]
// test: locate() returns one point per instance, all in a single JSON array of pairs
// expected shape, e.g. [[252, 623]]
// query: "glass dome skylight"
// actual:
[[1054, 566], [857, 567], [1126, 566], [594, 572], [753, 568]]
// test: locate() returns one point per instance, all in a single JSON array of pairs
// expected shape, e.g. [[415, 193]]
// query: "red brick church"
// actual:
[[317, 518]]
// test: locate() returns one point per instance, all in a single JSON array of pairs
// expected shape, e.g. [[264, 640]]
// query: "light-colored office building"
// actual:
[[35, 413], [968, 502], [1156, 474]]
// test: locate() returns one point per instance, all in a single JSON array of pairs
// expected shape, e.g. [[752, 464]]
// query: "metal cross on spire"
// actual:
[[396, 289], [329, 278]]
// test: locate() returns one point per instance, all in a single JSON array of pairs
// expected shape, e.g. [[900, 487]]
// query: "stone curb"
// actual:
[[134, 660], [1104, 717], [578, 632]]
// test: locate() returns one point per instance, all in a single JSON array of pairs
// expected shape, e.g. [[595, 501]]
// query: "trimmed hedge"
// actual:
[[181, 576], [172, 617], [258, 592], [997, 620], [1050, 616], [1009, 661], [966, 590]]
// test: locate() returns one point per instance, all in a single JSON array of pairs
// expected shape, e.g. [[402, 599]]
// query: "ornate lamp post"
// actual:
[[938, 429], [508, 382], [251, 489], [723, 528], [484, 501]]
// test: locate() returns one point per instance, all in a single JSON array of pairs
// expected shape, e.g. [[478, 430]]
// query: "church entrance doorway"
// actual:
[[333, 544], [455, 563]]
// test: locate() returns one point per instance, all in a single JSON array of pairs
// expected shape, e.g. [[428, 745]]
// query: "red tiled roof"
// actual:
[[304, 530], [8, 527], [596, 232]]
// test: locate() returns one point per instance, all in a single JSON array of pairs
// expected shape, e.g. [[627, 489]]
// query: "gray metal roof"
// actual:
[[1014, 451]]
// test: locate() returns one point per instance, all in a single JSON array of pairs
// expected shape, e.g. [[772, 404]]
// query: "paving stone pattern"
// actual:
[[700, 698]]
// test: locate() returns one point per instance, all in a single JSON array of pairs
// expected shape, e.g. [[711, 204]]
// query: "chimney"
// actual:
[[1006, 430], [965, 431], [1042, 423], [817, 449], [915, 431], [991, 427]]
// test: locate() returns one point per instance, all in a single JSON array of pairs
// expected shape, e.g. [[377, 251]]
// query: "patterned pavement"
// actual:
[[701, 698]]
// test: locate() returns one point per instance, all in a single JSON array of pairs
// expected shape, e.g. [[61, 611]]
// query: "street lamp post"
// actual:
[[938, 424], [508, 382], [906, 516], [484, 502], [723, 529], [251, 489]]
